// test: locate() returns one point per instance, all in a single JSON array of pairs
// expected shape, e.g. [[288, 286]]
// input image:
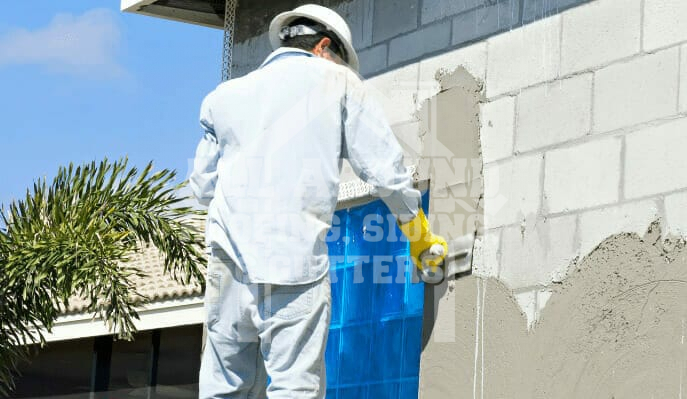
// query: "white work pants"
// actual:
[[258, 329]]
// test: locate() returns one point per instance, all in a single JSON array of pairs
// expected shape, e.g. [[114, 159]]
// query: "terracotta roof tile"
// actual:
[[156, 285]]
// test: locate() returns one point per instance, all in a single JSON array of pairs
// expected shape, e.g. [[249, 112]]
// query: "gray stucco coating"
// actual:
[[615, 328]]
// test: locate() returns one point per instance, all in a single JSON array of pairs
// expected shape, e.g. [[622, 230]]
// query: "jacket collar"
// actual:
[[283, 50]]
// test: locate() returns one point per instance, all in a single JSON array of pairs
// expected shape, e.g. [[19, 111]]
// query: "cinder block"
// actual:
[[473, 58], [597, 225], [373, 59], [425, 40], [655, 160], [393, 17], [358, 14], [538, 252], [599, 32], [523, 57], [486, 254], [249, 54], [433, 10], [396, 91], [636, 91], [553, 113], [676, 214], [485, 21], [683, 79], [539, 9], [512, 190], [496, 134], [582, 176], [664, 23]]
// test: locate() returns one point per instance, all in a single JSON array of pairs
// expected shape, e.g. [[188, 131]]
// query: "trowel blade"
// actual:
[[459, 259]]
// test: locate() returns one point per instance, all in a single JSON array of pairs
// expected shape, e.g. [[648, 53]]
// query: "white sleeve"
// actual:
[[204, 176]]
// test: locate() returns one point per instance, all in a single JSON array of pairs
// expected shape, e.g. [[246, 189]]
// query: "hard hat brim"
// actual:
[[287, 17]]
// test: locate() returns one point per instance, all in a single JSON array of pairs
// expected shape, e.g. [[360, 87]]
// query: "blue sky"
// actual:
[[79, 81]]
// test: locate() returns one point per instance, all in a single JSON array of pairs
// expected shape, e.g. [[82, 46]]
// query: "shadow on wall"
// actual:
[[615, 328]]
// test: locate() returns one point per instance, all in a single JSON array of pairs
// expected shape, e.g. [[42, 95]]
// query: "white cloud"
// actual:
[[79, 44]]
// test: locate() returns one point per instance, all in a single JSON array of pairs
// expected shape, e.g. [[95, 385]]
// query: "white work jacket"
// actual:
[[268, 164]]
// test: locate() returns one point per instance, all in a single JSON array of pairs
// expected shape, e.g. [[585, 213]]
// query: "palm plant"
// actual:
[[73, 237]]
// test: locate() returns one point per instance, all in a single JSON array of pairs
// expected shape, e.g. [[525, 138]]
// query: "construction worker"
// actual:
[[268, 167]]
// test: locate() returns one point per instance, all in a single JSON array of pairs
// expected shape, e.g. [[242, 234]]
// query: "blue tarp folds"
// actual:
[[373, 351]]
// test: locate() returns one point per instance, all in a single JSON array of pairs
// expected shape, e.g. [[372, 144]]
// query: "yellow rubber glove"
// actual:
[[422, 240]]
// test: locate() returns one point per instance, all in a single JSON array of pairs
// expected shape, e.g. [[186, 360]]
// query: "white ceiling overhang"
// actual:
[[208, 13]]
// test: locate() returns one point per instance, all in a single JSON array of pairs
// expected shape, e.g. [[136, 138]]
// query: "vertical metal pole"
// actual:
[[229, 25]]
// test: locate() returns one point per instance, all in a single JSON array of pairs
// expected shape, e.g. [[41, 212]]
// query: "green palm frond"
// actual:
[[72, 238]]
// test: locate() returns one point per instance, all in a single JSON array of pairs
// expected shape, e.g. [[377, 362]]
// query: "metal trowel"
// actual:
[[458, 261]]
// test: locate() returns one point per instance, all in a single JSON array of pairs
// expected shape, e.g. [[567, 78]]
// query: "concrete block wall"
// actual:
[[604, 110], [583, 133], [389, 34]]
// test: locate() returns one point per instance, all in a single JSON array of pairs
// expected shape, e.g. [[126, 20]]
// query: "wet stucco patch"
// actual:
[[451, 154], [614, 328]]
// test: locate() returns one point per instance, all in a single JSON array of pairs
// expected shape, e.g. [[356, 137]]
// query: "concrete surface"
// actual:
[[485, 21], [683, 81], [664, 23], [498, 124], [524, 57], [592, 175], [429, 39], [613, 27], [578, 164], [614, 328], [640, 90], [644, 177], [539, 9], [512, 190], [548, 244], [554, 113], [394, 17]]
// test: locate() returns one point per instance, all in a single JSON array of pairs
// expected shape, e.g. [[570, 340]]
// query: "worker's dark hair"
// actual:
[[308, 42]]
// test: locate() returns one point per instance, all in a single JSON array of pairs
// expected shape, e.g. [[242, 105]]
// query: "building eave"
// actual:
[[153, 9], [163, 314]]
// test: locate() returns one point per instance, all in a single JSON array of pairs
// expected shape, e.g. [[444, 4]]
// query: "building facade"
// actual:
[[556, 130]]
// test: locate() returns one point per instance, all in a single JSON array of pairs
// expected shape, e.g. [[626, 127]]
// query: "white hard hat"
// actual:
[[323, 15]]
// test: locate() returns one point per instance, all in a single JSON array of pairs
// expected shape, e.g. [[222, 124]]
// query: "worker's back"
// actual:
[[279, 131], [268, 167]]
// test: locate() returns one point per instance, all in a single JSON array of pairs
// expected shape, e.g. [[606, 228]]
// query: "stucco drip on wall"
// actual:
[[614, 328]]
